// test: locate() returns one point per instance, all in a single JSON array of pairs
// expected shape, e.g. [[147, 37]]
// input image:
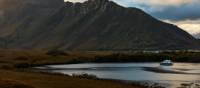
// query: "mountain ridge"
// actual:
[[93, 25]]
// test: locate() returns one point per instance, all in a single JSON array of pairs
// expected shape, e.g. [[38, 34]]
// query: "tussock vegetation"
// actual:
[[26, 59], [46, 80], [56, 52], [13, 84], [85, 75], [181, 56]]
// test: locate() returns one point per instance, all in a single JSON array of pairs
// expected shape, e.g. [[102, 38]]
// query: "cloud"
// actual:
[[156, 4], [191, 26], [76, 0], [166, 9], [178, 13], [166, 3]]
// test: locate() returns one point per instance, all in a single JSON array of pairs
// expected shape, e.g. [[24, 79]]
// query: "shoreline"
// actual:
[[17, 66], [141, 83], [145, 83]]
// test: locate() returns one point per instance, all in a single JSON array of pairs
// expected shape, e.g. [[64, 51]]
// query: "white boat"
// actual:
[[166, 63]]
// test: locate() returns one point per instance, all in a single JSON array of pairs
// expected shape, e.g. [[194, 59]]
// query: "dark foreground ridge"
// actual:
[[95, 25]]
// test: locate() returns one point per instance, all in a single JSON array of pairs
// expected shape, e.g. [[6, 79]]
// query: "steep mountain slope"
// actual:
[[92, 25]]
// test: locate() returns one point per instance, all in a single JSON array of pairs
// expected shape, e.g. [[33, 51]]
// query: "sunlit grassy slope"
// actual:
[[15, 72], [41, 80]]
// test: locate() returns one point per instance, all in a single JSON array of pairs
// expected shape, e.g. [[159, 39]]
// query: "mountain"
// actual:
[[90, 26]]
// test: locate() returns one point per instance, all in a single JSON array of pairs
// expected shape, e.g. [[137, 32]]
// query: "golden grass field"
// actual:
[[13, 77], [42, 80]]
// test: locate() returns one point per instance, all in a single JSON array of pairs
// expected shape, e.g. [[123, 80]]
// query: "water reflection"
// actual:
[[171, 75], [166, 67]]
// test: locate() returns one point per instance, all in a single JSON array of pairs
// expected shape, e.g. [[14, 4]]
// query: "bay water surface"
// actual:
[[167, 76]]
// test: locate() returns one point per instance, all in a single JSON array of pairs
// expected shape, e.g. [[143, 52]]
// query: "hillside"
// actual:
[[90, 26]]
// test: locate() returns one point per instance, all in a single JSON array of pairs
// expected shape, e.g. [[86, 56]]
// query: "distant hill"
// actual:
[[90, 26]]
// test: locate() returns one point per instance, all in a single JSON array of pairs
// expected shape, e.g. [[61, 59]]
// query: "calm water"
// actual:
[[170, 77]]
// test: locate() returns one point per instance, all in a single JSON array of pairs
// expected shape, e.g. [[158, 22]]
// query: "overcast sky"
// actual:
[[184, 13]]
